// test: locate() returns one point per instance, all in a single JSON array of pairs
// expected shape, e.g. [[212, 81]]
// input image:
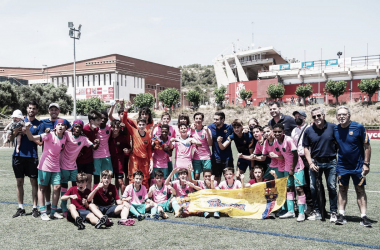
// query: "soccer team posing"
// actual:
[[138, 154]]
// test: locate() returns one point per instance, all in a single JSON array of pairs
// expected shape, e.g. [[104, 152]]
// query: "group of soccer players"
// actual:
[[138, 155]]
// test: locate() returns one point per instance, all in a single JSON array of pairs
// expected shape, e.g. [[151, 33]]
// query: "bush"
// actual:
[[331, 112]]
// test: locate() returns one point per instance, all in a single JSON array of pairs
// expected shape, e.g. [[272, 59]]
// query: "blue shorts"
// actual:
[[68, 175], [298, 179], [200, 165], [82, 213], [243, 164], [108, 210], [49, 178], [166, 206], [101, 164], [344, 180]]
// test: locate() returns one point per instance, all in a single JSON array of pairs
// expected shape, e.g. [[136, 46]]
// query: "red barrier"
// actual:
[[373, 134]]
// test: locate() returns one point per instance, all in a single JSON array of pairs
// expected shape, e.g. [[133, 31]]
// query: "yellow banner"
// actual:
[[255, 202]]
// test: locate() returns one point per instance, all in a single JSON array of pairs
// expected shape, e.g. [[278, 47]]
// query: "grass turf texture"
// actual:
[[35, 233]]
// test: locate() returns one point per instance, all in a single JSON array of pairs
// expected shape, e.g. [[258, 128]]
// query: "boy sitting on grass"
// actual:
[[78, 209], [159, 194], [104, 196], [137, 196]]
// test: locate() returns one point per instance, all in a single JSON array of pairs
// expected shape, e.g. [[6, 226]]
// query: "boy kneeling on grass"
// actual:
[[78, 209], [104, 196]]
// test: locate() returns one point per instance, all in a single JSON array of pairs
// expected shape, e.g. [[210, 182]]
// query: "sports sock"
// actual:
[[175, 205], [134, 211], [43, 210], [34, 206], [301, 203], [21, 206], [48, 203], [363, 215], [341, 212], [153, 211], [63, 203], [53, 208], [289, 201]]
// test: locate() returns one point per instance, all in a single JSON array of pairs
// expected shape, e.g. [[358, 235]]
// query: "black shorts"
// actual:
[[87, 168], [25, 166], [82, 213], [108, 210], [218, 165]]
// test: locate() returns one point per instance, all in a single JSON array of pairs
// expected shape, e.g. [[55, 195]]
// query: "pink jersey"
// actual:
[[275, 163], [183, 153], [53, 146], [160, 195], [235, 185], [72, 149], [201, 152], [161, 157], [259, 148], [202, 184], [138, 197], [103, 150], [172, 132], [286, 148], [181, 191]]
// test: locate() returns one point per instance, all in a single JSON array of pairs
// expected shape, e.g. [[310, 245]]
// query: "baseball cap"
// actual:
[[80, 122], [301, 112], [17, 114], [54, 105]]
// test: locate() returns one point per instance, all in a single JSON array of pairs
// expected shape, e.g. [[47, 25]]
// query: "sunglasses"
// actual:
[[315, 116]]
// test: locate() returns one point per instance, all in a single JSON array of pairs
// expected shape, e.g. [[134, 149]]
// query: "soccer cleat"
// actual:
[[315, 216], [109, 223], [288, 215], [79, 223], [45, 217], [216, 215], [48, 209], [301, 218], [156, 216], [206, 215], [140, 217], [365, 222], [59, 210], [102, 221], [340, 220], [126, 222], [333, 217], [56, 216], [20, 212], [281, 213], [35, 212]]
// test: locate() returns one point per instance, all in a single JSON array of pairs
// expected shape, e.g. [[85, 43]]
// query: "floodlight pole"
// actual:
[[75, 37]]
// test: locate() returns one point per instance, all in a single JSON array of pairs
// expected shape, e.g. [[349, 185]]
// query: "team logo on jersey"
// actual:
[[164, 193], [146, 142], [34, 126], [283, 149], [107, 132], [170, 134], [187, 144], [351, 133], [110, 193], [225, 131], [41, 180], [187, 191], [238, 163], [244, 141], [117, 143], [79, 143], [277, 150], [140, 197], [202, 136]]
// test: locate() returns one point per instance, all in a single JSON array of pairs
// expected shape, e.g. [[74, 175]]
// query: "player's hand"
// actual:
[[150, 169], [74, 196], [127, 106], [126, 151], [173, 139], [252, 156], [365, 170], [237, 173], [28, 125], [273, 155], [314, 167], [190, 168], [47, 130], [176, 170], [189, 183], [291, 172], [100, 185], [273, 173], [96, 141], [245, 129], [219, 139], [122, 124], [212, 177], [192, 126], [242, 177], [240, 155], [84, 201]]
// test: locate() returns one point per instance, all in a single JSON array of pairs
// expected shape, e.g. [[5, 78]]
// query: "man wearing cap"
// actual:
[[278, 117], [25, 162], [49, 123], [297, 136], [320, 152]]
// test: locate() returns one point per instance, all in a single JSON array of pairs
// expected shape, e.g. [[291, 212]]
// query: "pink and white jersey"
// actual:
[[72, 149], [172, 132], [201, 152], [181, 191], [275, 163], [53, 146], [183, 153], [235, 185], [286, 148], [259, 148], [160, 195], [160, 156], [103, 150], [202, 184], [138, 197]]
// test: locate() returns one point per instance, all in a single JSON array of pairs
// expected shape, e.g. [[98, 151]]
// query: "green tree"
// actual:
[[9, 95], [304, 91], [336, 89], [169, 97], [276, 91], [144, 100], [85, 105], [219, 94], [369, 86], [194, 97], [245, 95]]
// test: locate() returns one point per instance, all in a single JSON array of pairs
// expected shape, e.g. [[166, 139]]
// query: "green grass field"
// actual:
[[197, 233]]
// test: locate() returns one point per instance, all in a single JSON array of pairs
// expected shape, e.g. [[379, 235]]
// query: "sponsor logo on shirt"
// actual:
[[110, 193], [277, 150], [34, 126], [187, 191], [164, 193], [351, 133], [218, 203], [225, 131], [79, 143], [283, 150], [146, 142], [140, 197], [202, 136], [107, 132], [117, 143], [170, 134]]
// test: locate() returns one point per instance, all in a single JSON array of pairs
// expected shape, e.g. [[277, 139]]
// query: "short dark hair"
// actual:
[[34, 103], [166, 126], [147, 111], [182, 124], [183, 171], [275, 102], [81, 177], [256, 121], [267, 126], [207, 170], [115, 123], [107, 173], [279, 125], [93, 115], [105, 114], [220, 114], [165, 113], [199, 113], [237, 123], [121, 110], [158, 173], [184, 116], [138, 172], [258, 127], [228, 169], [140, 119]]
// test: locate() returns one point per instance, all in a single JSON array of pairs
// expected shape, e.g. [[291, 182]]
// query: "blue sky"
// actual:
[[184, 32]]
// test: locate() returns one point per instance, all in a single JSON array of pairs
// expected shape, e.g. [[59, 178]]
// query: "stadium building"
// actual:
[[107, 77], [256, 69]]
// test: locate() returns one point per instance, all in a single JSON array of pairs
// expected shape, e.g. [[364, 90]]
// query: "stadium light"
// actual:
[[339, 54], [75, 35]]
